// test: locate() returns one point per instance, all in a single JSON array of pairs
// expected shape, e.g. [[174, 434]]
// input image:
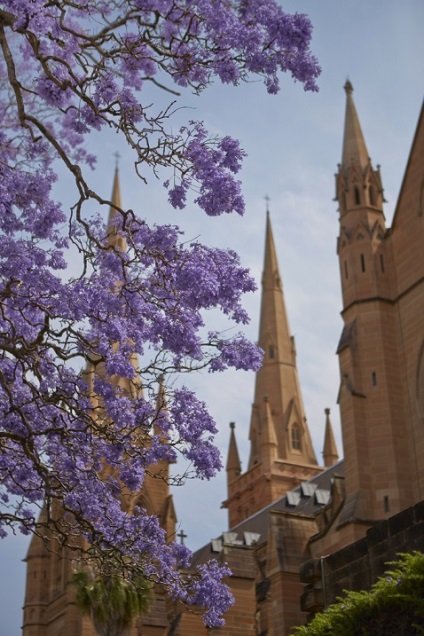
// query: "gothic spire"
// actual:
[[116, 190], [117, 242], [269, 446], [354, 148], [233, 466], [38, 547], [114, 238], [329, 453], [281, 452], [277, 380], [274, 329], [359, 191]]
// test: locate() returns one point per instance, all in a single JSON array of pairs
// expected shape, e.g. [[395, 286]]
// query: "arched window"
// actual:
[[139, 504], [271, 352], [296, 442], [371, 193], [357, 196]]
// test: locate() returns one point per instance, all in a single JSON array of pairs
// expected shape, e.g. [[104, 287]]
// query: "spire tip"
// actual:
[[348, 87], [267, 199]]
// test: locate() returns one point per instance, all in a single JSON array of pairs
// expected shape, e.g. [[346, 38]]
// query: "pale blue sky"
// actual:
[[293, 141]]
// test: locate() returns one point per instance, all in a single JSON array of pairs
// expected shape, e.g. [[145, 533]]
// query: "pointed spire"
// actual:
[[271, 277], [269, 444], [281, 451], [329, 453], [38, 546], [354, 147], [114, 238], [233, 466], [116, 191], [277, 379], [161, 415], [274, 328], [160, 409]]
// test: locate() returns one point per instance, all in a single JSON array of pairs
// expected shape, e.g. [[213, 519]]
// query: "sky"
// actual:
[[293, 142]]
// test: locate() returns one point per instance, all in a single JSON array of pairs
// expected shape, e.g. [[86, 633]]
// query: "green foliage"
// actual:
[[393, 607], [111, 601]]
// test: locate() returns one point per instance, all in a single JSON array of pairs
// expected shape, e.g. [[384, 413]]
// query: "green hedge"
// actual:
[[393, 607]]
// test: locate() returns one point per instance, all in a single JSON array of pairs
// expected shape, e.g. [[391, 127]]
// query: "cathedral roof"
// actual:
[[305, 500]]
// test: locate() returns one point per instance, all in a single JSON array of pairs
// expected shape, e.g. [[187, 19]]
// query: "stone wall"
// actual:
[[360, 564]]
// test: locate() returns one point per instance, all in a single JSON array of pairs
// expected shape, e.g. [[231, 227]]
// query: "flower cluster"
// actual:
[[83, 65]]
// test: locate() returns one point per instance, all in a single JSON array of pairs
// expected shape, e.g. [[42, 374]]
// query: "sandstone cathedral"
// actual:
[[299, 532]]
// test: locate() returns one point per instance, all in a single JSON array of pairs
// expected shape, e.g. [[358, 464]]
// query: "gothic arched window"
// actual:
[[357, 195], [296, 442]]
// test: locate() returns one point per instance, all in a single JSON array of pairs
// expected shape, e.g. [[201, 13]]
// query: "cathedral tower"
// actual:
[[378, 470], [49, 606], [281, 452]]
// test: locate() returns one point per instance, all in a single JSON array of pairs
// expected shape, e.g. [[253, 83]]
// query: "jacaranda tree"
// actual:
[[68, 68]]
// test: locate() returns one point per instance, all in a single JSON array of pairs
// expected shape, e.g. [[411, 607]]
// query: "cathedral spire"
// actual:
[[359, 191], [277, 380], [354, 148], [274, 330], [38, 546], [233, 466], [269, 446], [281, 452], [329, 453], [114, 238], [116, 190]]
